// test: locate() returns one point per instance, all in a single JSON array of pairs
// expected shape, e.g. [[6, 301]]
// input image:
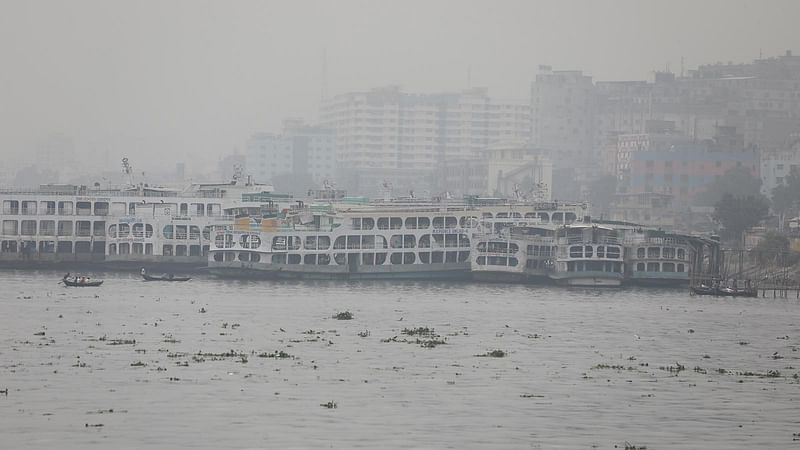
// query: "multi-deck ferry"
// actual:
[[133, 225], [411, 239]]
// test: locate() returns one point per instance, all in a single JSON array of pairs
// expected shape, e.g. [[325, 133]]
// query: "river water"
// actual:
[[257, 364]]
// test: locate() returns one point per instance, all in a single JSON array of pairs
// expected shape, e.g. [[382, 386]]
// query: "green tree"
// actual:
[[774, 247], [737, 214], [785, 197], [738, 182]]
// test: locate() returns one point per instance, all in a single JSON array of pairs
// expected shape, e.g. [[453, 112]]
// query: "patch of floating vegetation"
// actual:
[[677, 368], [425, 337], [345, 315], [329, 405], [493, 354], [419, 331], [531, 396], [138, 364], [611, 367], [280, 354], [628, 446], [117, 341]]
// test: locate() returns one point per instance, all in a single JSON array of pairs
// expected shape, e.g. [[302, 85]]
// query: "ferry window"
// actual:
[[409, 258], [438, 241], [47, 228], [213, 209], [669, 252], [612, 252], [425, 257], [131, 209], [383, 223], [652, 267], [255, 241], [530, 215], [310, 243], [367, 223], [423, 223], [10, 207], [353, 242], [84, 228], [124, 248], [425, 241], [438, 222], [558, 217], [356, 223], [294, 242], [368, 259], [99, 228], [194, 232], [9, 247], [100, 208], [28, 228], [29, 207], [168, 231], [65, 228], [65, 208], [138, 230], [138, 248], [219, 240], [395, 223], [380, 259], [117, 209], [166, 250], [409, 241], [83, 208], [180, 232], [380, 242], [513, 262], [640, 267], [184, 209], [513, 248], [486, 215], [451, 240], [396, 241], [244, 242], [206, 232], [279, 259], [47, 247], [680, 268], [368, 241], [463, 256], [411, 223], [112, 249], [229, 242], [198, 209], [516, 215], [230, 256], [570, 217], [340, 258], [601, 251], [502, 215], [64, 247], [396, 258], [244, 256], [668, 267], [49, 208], [10, 227], [543, 216], [437, 257], [323, 259], [653, 252], [481, 260], [450, 222], [340, 243], [468, 222], [576, 251], [323, 242], [310, 259], [640, 252], [681, 255]]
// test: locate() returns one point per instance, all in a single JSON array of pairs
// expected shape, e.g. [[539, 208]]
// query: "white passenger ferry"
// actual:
[[660, 258], [361, 241], [135, 225], [589, 255]]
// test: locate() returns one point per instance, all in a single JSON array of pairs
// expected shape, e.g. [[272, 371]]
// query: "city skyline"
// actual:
[[195, 80]]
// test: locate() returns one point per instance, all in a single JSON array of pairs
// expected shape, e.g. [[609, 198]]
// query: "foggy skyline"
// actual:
[[190, 80]]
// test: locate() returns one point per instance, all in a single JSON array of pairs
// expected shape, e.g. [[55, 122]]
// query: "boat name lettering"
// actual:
[[449, 231]]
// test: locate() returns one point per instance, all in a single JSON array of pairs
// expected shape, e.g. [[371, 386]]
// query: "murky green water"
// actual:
[[582, 368]]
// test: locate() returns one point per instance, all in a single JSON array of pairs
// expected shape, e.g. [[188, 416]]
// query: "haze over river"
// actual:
[[257, 364]]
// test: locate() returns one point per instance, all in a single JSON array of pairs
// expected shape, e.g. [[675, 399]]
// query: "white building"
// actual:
[[392, 134], [776, 166], [301, 151]]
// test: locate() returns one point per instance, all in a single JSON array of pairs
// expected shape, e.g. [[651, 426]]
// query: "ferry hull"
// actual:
[[590, 279], [454, 271]]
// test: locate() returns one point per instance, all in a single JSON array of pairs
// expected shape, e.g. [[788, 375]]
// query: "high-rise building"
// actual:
[[386, 134]]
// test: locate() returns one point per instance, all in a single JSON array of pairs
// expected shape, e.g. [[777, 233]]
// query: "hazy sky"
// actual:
[[162, 81]]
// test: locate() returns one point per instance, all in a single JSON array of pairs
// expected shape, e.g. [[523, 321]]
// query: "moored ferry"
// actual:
[[128, 226], [659, 258], [589, 255]]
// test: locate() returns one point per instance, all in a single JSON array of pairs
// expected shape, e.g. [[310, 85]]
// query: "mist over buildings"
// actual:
[[84, 84]]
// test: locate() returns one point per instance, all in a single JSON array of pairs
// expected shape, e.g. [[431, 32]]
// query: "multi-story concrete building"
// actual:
[[777, 165], [563, 116], [408, 139], [306, 154]]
